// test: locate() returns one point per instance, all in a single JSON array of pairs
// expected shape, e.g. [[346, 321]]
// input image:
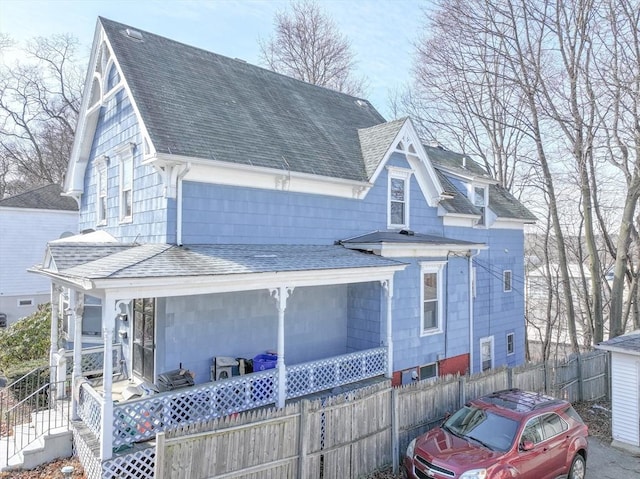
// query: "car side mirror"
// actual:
[[526, 445]]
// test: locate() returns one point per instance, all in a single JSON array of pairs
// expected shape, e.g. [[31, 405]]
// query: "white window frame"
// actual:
[[125, 157], [431, 267], [507, 273], [404, 175], [483, 204], [488, 339], [513, 344], [25, 302], [101, 190]]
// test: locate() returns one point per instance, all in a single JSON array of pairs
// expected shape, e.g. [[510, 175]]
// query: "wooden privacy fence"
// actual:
[[352, 434]]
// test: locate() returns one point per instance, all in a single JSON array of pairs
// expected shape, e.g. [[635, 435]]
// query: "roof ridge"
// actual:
[[240, 61]]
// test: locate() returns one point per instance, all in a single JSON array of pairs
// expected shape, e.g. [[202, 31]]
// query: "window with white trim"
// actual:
[[398, 198], [511, 343], [486, 353], [506, 281], [126, 184], [92, 316], [101, 188], [431, 295], [481, 200], [22, 302]]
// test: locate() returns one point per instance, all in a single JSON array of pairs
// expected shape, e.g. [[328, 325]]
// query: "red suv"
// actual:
[[507, 434]]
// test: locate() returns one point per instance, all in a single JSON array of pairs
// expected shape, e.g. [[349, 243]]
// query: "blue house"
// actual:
[[234, 213]]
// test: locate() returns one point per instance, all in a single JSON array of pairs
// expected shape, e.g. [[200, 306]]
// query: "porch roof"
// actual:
[[92, 265], [407, 243]]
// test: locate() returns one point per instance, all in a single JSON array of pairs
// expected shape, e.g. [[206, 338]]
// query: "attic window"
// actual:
[[481, 201], [398, 198]]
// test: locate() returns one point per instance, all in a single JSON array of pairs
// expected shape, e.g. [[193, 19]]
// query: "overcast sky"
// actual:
[[381, 31]]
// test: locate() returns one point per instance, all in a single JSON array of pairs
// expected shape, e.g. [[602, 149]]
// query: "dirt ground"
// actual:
[[604, 462]]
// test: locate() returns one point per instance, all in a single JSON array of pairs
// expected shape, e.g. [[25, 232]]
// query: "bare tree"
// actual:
[[307, 45], [39, 104]]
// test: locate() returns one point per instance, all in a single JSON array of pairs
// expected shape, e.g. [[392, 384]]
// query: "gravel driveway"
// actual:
[[606, 462]]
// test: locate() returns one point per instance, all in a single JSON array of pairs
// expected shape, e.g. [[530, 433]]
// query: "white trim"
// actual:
[[125, 156], [431, 267], [235, 174], [413, 250], [403, 174], [511, 223], [490, 340], [102, 191], [159, 287], [484, 180]]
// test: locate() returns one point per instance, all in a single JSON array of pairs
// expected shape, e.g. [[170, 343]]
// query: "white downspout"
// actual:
[[471, 339], [181, 175]]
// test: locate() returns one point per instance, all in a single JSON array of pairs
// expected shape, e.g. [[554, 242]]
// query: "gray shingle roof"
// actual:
[[398, 237], [200, 104], [501, 202], [44, 198], [375, 141], [163, 260], [627, 343]]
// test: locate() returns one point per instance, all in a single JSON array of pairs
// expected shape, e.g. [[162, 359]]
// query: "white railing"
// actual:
[[314, 376], [93, 360], [90, 407], [140, 419]]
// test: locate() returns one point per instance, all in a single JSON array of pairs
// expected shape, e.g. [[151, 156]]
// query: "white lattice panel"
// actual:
[[308, 378], [90, 410], [138, 464], [90, 463], [140, 419]]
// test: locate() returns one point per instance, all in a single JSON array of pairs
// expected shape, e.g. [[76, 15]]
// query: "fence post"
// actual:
[[546, 376], [461, 391], [302, 438], [509, 378], [395, 431], [160, 452], [580, 382]]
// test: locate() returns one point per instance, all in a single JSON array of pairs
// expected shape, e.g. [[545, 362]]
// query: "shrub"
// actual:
[[26, 341]]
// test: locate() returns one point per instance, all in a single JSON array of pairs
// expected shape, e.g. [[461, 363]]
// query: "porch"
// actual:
[[139, 420]]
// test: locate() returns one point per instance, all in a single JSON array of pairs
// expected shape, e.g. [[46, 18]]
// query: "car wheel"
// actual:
[[578, 468]]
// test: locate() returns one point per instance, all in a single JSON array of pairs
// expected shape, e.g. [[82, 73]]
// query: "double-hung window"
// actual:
[[398, 195], [431, 295], [481, 200], [101, 188], [126, 183]]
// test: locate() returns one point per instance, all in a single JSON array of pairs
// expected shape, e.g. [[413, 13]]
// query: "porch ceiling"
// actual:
[[214, 268]]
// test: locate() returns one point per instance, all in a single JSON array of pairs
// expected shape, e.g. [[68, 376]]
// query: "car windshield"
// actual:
[[492, 430]]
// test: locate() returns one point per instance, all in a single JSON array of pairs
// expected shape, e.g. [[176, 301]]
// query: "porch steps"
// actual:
[[39, 447]]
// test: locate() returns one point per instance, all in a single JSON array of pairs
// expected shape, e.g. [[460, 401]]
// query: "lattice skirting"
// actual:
[[139, 463], [83, 443]]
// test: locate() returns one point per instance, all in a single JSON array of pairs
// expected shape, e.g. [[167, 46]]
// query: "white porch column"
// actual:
[[55, 322], [109, 312], [281, 295], [387, 284], [76, 305]]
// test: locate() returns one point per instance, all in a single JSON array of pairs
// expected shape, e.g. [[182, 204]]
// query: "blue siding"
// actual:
[[191, 330], [366, 327], [117, 125]]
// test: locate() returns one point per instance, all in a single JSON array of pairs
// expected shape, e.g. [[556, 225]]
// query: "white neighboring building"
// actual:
[[27, 222], [625, 390]]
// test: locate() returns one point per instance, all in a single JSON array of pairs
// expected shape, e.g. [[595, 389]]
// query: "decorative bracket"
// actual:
[[281, 295]]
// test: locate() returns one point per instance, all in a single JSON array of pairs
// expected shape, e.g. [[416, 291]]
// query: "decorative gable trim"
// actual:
[[94, 96], [407, 142]]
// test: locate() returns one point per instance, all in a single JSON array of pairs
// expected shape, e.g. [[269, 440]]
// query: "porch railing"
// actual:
[[141, 418], [314, 376], [92, 360]]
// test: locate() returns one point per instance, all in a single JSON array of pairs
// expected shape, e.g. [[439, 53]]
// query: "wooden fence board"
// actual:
[[354, 433]]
